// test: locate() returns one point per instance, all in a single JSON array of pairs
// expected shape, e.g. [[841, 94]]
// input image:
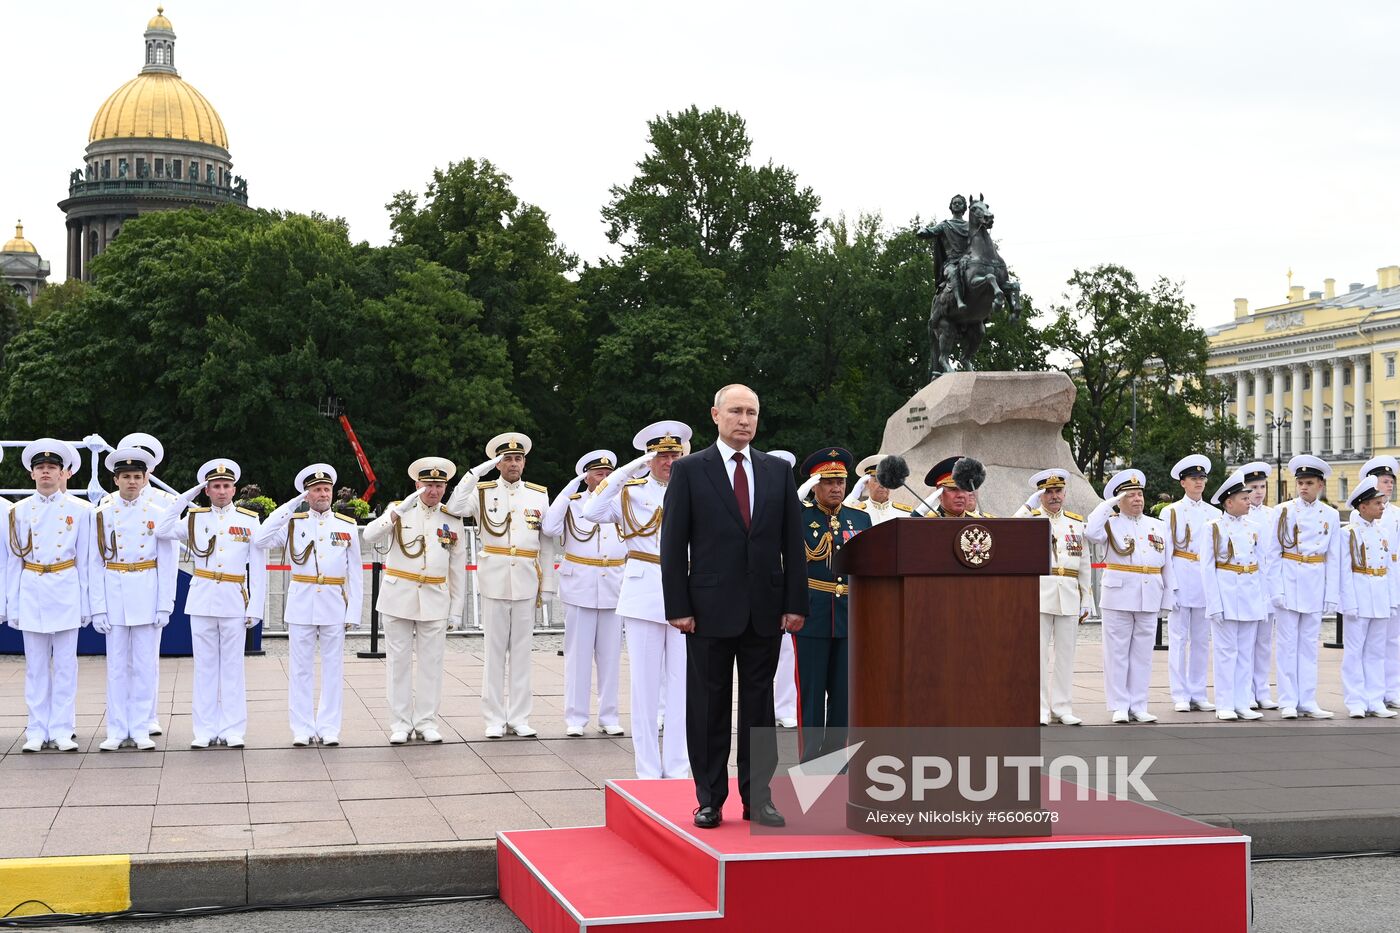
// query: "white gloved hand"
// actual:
[[1276, 601], [1034, 501], [1329, 609], [639, 466], [189, 495], [805, 489], [860, 487], [481, 469], [162, 618], [406, 506], [250, 622], [1217, 618], [101, 624]]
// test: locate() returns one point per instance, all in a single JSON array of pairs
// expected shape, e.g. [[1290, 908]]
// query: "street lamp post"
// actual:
[[1280, 425]]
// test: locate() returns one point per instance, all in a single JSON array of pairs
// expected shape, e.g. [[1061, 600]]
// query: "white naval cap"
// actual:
[[1053, 478], [1384, 465], [868, 466], [127, 459], [511, 442], [50, 450], [1256, 471], [432, 469], [1365, 490], [220, 469], [596, 460], [1234, 483], [1192, 465], [662, 436], [787, 455], [314, 474], [1124, 481], [1305, 465], [147, 443]]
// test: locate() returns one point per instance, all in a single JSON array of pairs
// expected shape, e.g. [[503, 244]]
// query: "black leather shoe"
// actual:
[[708, 817], [768, 815]]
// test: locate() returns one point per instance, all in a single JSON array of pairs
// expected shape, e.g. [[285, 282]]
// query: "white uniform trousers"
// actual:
[[130, 680], [220, 704], [153, 723], [414, 691], [1057, 681], [51, 684], [1188, 653], [1363, 663], [307, 719], [591, 637], [1127, 658], [508, 625], [1297, 636], [1234, 663], [1392, 659], [1263, 651], [785, 683], [656, 658]]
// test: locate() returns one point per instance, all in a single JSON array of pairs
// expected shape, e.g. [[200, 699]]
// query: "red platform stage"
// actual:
[[1102, 868]]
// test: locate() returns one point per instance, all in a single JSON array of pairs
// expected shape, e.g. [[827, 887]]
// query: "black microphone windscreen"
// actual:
[[969, 474], [891, 472]]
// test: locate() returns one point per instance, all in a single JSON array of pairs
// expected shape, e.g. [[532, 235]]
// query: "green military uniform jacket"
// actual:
[[824, 535]]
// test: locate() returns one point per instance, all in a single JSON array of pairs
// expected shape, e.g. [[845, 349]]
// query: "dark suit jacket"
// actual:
[[714, 570]]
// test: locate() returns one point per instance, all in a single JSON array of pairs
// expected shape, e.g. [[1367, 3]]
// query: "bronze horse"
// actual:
[[956, 331]]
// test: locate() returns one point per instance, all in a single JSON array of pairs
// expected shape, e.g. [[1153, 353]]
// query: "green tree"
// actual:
[[507, 258], [697, 190], [1139, 365]]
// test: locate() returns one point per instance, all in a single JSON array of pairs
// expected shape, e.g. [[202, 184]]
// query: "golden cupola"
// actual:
[[158, 103]]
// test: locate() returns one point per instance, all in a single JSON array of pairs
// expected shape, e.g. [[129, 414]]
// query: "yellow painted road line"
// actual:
[[82, 884]]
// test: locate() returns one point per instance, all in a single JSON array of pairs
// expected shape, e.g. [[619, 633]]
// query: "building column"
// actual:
[[1241, 398], [1339, 406], [1317, 441], [1299, 409], [1360, 442], [1259, 432], [1280, 406]]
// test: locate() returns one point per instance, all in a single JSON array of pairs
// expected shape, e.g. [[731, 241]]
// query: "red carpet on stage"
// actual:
[[649, 868]]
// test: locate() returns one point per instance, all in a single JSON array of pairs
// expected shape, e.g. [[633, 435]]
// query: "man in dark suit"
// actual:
[[734, 578]]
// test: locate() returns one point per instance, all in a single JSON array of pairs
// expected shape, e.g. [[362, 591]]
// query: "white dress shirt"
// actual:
[[728, 453]]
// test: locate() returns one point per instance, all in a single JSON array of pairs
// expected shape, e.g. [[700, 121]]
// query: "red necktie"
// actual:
[[741, 488]]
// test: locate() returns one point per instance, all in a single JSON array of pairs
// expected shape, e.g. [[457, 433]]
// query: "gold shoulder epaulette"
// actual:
[[104, 504], [856, 505], [980, 514], [639, 481], [344, 518], [1035, 513], [198, 508], [489, 484], [902, 507], [537, 488], [1074, 515], [248, 511], [808, 504], [447, 513], [577, 495]]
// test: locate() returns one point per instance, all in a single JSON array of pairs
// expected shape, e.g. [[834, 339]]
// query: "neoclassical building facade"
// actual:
[[1318, 375], [22, 270], [155, 144]]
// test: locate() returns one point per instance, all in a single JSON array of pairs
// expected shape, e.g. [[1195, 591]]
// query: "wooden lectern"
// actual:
[[945, 630]]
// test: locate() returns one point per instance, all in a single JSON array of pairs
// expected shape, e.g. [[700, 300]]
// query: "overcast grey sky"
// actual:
[[1217, 143]]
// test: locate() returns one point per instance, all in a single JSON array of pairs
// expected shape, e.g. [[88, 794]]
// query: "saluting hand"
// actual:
[[481, 469], [406, 506], [193, 492]]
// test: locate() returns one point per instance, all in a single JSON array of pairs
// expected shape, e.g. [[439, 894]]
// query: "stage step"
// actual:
[[650, 869]]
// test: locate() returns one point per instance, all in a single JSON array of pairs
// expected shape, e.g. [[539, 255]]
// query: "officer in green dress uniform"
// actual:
[[821, 644]]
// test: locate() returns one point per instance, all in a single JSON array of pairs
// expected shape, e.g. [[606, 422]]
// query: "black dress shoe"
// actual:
[[768, 815], [707, 817]]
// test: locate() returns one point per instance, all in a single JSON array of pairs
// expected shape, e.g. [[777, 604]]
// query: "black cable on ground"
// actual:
[[1323, 856], [38, 921]]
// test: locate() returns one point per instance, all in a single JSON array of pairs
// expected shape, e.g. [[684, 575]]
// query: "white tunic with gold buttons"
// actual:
[[47, 563], [133, 571], [230, 571], [1069, 588], [327, 585], [515, 560], [425, 569]]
